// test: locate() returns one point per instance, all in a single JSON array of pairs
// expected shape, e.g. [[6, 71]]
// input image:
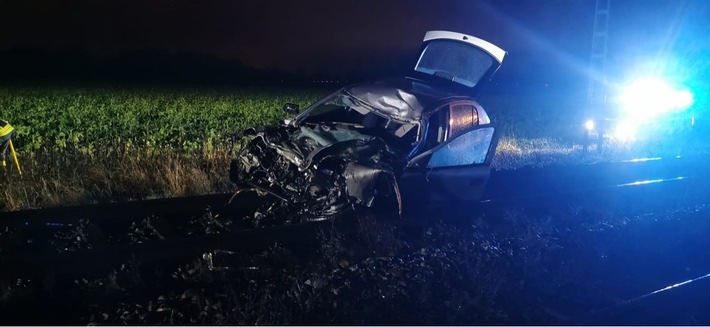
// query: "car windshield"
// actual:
[[345, 110]]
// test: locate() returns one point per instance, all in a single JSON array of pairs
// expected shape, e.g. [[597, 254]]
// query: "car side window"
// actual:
[[450, 120], [462, 117], [468, 149]]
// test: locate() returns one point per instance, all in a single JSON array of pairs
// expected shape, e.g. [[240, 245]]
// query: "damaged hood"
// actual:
[[402, 98]]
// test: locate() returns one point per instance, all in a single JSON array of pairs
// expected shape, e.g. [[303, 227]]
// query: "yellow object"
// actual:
[[5, 128], [14, 155]]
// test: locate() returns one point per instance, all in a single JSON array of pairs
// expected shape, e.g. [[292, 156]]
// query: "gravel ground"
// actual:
[[568, 261]]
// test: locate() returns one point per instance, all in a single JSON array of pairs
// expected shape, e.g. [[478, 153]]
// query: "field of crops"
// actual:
[[181, 118]]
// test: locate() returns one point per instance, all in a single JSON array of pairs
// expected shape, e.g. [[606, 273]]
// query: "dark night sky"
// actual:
[[337, 35]]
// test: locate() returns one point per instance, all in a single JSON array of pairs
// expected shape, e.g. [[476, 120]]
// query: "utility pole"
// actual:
[[597, 91], [597, 62]]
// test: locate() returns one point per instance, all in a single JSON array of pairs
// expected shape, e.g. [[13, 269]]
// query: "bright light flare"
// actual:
[[650, 97], [625, 131], [589, 125]]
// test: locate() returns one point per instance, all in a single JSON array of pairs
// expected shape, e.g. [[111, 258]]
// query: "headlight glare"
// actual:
[[589, 125], [649, 97]]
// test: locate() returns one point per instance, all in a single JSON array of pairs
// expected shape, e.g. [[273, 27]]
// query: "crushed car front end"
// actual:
[[331, 158]]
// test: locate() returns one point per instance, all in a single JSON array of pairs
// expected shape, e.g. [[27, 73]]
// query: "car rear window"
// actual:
[[454, 61]]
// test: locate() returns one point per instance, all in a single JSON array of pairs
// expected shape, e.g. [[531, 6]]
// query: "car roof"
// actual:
[[406, 98]]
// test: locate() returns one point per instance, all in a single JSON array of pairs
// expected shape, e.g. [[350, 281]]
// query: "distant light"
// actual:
[[652, 181], [650, 97], [642, 159], [625, 131], [589, 125]]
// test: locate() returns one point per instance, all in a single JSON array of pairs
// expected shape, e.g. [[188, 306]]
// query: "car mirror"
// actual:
[[291, 108]]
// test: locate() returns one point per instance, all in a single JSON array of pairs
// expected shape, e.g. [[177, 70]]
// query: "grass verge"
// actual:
[[70, 177]]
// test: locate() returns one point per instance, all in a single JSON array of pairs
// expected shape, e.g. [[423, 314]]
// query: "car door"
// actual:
[[453, 173]]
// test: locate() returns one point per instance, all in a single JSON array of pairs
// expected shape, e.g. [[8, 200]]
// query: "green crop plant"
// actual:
[[184, 119]]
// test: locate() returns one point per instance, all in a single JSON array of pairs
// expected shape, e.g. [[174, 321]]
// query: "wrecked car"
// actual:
[[396, 143]]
